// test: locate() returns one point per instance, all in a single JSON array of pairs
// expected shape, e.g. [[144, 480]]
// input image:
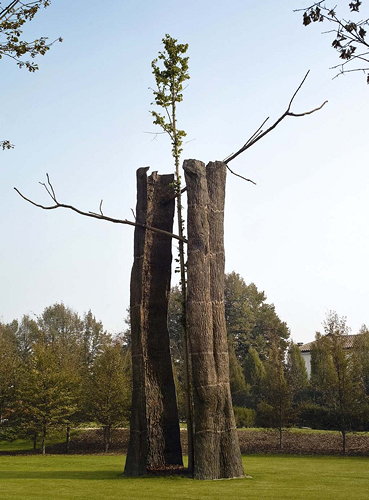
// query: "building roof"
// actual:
[[348, 343]]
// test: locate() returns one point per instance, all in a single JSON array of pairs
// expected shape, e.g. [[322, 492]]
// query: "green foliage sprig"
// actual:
[[170, 70]]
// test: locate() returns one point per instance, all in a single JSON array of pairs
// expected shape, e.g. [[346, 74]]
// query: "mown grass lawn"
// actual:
[[99, 477]]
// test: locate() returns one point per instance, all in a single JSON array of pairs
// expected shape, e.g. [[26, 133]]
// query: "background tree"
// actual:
[[46, 392], [27, 334], [108, 393], [361, 356], [252, 325], [60, 324], [276, 409], [250, 320], [297, 377], [254, 374], [350, 35], [13, 17], [239, 387], [94, 338], [335, 377], [10, 364]]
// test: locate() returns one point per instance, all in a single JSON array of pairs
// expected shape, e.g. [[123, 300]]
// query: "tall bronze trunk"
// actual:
[[154, 432], [216, 448]]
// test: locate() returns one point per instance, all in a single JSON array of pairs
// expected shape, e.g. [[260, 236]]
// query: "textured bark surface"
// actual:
[[154, 430], [216, 448]]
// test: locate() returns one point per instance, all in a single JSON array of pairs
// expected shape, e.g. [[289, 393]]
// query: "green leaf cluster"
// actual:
[[170, 70]]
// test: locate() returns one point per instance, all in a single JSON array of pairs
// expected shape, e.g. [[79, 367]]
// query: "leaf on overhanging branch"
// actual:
[[350, 27], [306, 19], [354, 6], [362, 32], [6, 145]]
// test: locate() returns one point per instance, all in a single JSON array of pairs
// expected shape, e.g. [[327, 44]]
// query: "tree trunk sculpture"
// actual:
[[154, 432], [216, 448]]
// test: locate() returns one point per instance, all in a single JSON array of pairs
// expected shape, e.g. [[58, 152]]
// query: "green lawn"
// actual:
[[99, 476]]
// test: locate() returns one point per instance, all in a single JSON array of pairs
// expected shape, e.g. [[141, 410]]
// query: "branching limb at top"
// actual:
[[51, 192], [260, 133]]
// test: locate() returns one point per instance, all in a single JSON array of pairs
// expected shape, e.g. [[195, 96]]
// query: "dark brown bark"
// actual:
[[343, 434], [67, 439], [43, 440], [107, 437], [154, 432], [216, 448], [34, 441]]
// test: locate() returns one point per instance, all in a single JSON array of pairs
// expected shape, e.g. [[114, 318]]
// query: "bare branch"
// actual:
[[7, 9], [47, 190], [310, 6], [259, 134], [297, 90], [241, 176], [309, 112], [94, 215]]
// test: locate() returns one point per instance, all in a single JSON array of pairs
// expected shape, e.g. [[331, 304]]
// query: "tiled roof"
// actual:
[[348, 343]]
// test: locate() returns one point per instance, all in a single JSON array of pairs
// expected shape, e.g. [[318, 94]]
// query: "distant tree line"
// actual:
[[59, 370], [269, 381]]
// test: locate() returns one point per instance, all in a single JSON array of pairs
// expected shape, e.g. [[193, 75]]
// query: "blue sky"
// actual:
[[301, 234]]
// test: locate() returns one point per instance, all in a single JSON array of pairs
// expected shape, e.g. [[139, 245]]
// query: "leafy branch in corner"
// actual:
[[13, 17], [12, 20], [350, 37]]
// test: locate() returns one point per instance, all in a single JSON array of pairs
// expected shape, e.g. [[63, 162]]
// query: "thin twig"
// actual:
[[241, 176], [51, 187]]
